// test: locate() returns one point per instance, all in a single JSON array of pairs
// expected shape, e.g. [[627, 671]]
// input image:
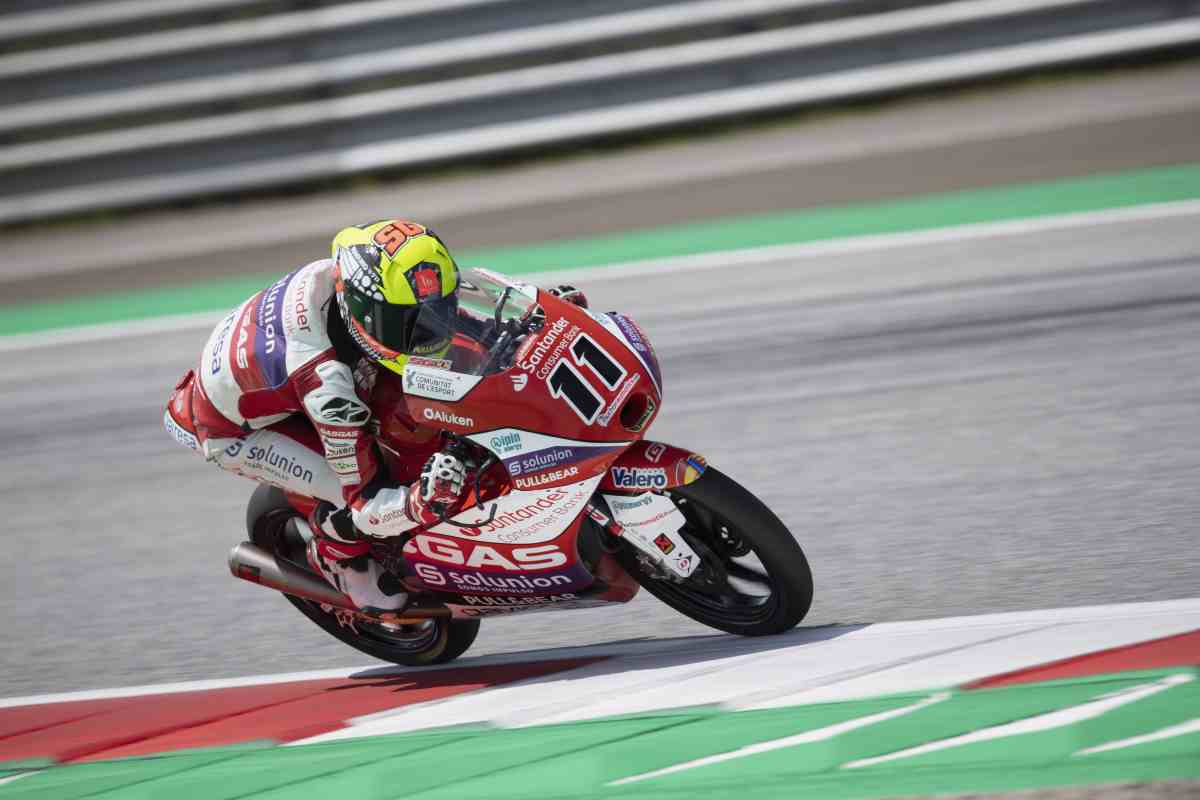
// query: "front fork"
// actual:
[[658, 542]]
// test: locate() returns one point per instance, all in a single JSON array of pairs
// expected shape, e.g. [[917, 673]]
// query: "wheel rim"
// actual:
[[415, 638], [732, 584]]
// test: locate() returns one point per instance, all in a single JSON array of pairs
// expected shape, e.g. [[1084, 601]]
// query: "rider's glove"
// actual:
[[438, 490], [570, 294]]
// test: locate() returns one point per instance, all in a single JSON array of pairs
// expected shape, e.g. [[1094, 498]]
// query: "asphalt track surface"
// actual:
[[951, 428]]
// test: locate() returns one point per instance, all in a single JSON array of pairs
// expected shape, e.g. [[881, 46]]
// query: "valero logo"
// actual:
[[638, 478]]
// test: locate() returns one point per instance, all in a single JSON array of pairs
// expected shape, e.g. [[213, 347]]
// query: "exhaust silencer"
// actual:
[[251, 563]]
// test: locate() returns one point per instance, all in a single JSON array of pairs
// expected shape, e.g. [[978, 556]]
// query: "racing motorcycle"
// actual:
[[568, 506]]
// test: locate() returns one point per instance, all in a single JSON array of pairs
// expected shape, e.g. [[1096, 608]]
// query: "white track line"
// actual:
[[675, 264], [683, 651], [1191, 726], [110, 330], [1042, 722], [374, 670], [818, 735], [883, 241], [184, 686]]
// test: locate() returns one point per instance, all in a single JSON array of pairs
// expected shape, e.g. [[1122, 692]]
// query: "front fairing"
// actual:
[[568, 374], [555, 394]]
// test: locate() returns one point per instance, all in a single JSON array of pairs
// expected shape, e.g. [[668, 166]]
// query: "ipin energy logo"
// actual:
[[505, 443]]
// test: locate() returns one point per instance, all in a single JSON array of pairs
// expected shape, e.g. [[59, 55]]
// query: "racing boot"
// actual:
[[349, 568]]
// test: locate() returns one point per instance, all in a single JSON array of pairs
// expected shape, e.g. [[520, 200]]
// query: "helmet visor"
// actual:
[[410, 330]]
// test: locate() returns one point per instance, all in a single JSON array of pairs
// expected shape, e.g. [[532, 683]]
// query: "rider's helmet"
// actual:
[[397, 290]]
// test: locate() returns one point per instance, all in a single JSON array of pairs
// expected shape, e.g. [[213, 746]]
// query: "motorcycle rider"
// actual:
[[282, 389]]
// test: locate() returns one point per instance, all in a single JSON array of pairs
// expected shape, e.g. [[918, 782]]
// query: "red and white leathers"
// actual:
[[275, 399]]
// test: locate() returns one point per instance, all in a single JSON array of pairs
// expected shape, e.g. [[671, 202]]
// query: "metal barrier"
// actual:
[[551, 94], [94, 16]]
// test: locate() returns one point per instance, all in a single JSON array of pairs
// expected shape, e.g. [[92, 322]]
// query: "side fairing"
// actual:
[[522, 517], [653, 466], [629, 333], [535, 460]]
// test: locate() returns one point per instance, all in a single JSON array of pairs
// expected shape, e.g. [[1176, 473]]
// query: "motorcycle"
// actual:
[[568, 506]]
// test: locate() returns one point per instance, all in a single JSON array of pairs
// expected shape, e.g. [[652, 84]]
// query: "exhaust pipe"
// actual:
[[251, 563]]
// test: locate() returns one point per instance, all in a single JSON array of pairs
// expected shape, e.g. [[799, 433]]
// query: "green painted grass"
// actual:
[[581, 760], [1093, 193]]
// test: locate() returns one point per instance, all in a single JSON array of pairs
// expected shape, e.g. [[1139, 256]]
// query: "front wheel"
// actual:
[[434, 641], [753, 579]]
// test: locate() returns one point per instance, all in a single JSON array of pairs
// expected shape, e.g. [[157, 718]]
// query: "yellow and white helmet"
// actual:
[[397, 290]]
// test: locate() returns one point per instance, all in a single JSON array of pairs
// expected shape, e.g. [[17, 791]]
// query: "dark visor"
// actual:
[[406, 329]]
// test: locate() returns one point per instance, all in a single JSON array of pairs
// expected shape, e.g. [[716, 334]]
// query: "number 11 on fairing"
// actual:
[[568, 383]]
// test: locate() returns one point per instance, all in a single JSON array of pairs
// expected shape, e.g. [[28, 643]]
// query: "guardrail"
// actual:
[[94, 16], [561, 99]]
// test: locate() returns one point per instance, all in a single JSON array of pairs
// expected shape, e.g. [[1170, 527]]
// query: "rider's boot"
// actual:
[[349, 568]]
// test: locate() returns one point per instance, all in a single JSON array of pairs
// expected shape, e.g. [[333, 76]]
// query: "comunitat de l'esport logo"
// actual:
[[639, 478], [437, 384]]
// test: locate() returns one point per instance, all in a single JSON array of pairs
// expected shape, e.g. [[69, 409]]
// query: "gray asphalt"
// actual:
[[953, 428]]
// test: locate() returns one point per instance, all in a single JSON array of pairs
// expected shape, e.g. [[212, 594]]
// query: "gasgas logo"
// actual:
[[448, 551]]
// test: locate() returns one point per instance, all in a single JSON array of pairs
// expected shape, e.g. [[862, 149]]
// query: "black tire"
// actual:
[[713, 502], [436, 642]]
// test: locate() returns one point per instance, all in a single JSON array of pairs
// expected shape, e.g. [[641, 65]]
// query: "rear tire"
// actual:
[[713, 503], [434, 642]]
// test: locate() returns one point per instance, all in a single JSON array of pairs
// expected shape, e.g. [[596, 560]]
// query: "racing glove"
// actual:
[[570, 294], [395, 510], [438, 490]]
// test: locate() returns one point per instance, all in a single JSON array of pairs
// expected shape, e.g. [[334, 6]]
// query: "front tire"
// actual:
[[730, 528], [433, 642]]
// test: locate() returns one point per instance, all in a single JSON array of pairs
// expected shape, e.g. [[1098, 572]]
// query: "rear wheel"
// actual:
[[753, 579], [434, 641]]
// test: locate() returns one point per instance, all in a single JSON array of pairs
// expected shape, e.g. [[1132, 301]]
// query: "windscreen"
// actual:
[[494, 313]]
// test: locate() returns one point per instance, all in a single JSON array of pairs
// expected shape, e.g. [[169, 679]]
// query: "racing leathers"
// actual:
[[281, 396]]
